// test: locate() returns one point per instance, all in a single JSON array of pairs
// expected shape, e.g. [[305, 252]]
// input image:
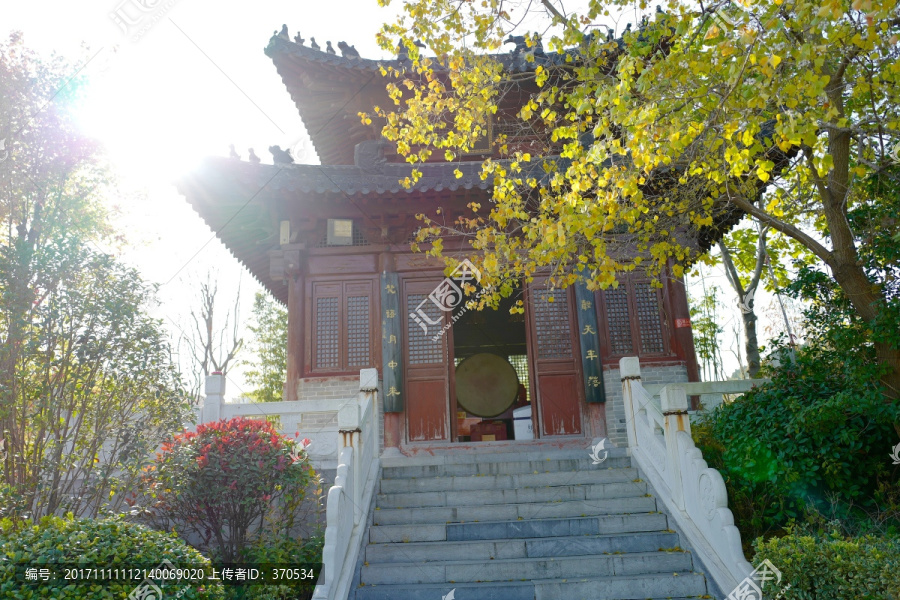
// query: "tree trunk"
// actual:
[[751, 345], [745, 297], [865, 297]]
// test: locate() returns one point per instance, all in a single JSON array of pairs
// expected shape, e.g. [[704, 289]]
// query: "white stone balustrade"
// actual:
[[350, 498], [345, 435], [315, 419], [692, 492]]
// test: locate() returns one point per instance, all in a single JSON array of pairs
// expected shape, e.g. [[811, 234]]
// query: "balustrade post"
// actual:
[[368, 388], [348, 429], [215, 396], [674, 404], [629, 371]]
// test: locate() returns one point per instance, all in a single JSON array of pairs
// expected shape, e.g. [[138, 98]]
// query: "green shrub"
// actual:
[[229, 483], [834, 566], [98, 543], [281, 550], [817, 435]]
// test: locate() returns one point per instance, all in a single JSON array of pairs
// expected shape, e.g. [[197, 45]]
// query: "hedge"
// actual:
[[95, 543]]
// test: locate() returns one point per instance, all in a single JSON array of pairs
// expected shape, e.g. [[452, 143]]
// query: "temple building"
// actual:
[[332, 243]]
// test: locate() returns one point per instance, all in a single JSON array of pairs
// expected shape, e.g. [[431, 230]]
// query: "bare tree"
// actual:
[[212, 345]]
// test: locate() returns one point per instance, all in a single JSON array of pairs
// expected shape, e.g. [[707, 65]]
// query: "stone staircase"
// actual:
[[537, 524]]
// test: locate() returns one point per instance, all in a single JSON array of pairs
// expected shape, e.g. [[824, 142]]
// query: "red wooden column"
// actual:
[[295, 337], [287, 264], [684, 336]]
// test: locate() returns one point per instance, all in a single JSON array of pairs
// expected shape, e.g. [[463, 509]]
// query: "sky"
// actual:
[[179, 80], [179, 84]]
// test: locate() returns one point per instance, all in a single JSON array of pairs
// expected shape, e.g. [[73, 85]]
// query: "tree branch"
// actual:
[[730, 272], [553, 10], [760, 257], [785, 228]]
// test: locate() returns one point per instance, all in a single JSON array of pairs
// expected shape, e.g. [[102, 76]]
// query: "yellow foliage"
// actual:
[[676, 133]]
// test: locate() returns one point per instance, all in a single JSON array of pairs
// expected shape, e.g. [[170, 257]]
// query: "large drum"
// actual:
[[486, 385]]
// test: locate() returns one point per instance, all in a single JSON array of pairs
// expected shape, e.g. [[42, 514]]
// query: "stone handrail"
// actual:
[[350, 498], [692, 492], [712, 393], [315, 419]]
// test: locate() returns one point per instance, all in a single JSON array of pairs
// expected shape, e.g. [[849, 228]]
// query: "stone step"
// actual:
[[494, 482], [547, 547], [522, 569], [513, 512], [506, 467], [485, 453], [559, 493], [654, 586], [534, 528]]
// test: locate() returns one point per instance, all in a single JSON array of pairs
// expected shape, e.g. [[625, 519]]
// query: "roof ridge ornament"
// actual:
[[368, 156], [348, 51], [281, 157]]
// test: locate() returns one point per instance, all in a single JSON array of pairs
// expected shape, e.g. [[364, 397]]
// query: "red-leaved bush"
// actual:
[[227, 482]]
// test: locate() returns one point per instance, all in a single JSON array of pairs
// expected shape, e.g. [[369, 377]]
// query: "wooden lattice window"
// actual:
[[619, 321], [358, 329], [551, 319], [359, 238], [423, 348], [341, 322], [634, 320], [646, 300], [327, 333]]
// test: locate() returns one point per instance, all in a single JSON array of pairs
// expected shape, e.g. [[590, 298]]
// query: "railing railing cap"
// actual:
[[348, 416], [215, 385], [673, 398], [368, 380], [629, 368]]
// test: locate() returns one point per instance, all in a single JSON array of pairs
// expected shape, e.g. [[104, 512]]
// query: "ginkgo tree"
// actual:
[[659, 140]]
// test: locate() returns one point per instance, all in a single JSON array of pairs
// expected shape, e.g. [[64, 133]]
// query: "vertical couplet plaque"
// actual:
[[391, 349]]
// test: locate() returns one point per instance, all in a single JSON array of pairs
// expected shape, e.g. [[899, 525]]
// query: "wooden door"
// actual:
[[426, 361], [555, 363]]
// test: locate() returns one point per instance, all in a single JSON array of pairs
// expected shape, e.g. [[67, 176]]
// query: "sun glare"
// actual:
[[150, 128]]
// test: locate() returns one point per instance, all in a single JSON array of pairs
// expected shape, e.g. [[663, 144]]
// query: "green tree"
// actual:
[[660, 137], [269, 366], [87, 387], [705, 319]]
